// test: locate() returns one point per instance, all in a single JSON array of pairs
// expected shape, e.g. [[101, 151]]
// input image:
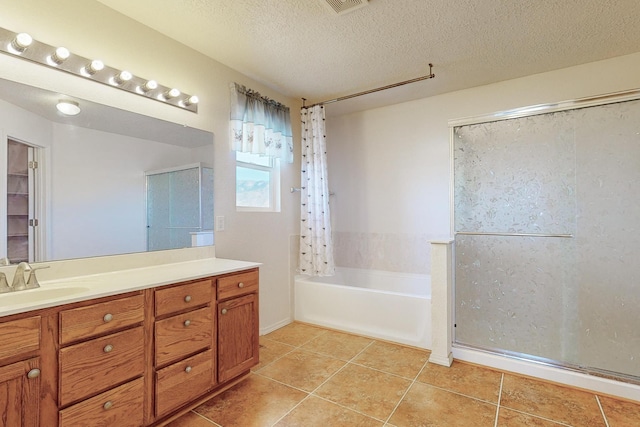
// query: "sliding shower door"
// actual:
[[547, 226]]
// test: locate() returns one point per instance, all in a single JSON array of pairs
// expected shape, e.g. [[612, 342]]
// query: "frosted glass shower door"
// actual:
[[546, 221], [173, 208]]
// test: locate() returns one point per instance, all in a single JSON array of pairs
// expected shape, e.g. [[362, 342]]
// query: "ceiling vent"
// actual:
[[343, 6]]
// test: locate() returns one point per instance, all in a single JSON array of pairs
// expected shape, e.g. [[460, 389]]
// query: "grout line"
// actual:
[[213, 423], [604, 416], [290, 410], [529, 414], [415, 379], [458, 393], [347, 408], [321, 384], [277, 358], [499, 400]]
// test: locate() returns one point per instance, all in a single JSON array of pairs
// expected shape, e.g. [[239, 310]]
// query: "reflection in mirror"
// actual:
[[76, 186]]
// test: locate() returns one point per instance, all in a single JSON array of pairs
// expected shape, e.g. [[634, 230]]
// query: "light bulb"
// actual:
[[149, 85], [123, 77], [173, 93], [21, 42], [193, 99], [94, 66], [60, 55]]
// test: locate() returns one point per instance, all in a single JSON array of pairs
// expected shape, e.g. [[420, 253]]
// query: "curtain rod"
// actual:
[[366, 92]]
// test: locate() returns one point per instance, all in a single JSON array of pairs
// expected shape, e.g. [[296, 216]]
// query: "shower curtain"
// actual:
[[316, 244]]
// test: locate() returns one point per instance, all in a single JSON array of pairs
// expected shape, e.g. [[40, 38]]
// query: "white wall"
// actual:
[[389, 167], [98, 190], [92, 30]]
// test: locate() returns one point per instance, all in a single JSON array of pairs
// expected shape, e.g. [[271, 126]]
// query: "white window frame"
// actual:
[[274, 184]]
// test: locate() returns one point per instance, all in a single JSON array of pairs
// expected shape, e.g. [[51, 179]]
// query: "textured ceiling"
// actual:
[[302, 49]]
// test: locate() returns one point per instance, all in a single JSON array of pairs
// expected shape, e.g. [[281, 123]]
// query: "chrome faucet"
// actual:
[[19, 283], [4, 285]]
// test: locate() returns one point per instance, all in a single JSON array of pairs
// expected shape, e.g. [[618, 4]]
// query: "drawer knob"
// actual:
[[187, 323], [107, 317], [107, 405], [187, 369], [241, 285], [34, 373], [107, 348], [187, 298], [224, 311]]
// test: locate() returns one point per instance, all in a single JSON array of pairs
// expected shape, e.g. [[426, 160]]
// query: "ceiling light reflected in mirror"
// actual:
[[68, 108]]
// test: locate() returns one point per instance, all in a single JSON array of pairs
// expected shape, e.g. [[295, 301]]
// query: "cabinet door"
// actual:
[[20, 394], [237, 336]]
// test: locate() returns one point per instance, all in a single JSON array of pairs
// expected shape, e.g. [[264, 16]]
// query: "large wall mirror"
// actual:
[[77, 186]]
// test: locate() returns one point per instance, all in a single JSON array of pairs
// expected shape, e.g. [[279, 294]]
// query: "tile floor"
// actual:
[[310, 376]]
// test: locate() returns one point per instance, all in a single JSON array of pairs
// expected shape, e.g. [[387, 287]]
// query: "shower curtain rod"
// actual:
[[366, 92]]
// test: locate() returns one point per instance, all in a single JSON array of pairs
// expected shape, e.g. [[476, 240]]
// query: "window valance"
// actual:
[[260, 125]]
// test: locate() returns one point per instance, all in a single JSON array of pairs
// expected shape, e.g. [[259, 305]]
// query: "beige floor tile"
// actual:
[[191, 420], [271, 350], [303, 369], [255, 402], [337, 344], [392, 358], [425, 405], [295, 334], [315, 412], [620, 413], [509, 418], [550, 401], [365, 390], [470, 380]]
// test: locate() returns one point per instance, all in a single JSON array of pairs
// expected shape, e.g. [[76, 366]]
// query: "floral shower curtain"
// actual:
[[316, 244]]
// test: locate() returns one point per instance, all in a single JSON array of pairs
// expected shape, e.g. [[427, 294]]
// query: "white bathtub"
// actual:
[[390, 306]]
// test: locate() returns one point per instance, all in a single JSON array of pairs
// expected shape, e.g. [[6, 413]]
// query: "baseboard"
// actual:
[[570, 378], [273, 327], [444, 361]]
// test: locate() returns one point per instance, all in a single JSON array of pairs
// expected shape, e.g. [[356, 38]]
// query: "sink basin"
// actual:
[[34, 296]]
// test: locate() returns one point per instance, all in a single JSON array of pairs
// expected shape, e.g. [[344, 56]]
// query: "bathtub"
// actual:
[[380, 304]]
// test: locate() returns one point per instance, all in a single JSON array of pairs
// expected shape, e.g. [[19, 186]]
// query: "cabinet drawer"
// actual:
[[183, 334], [96, 319], [121, 406], [181, 382], [178, 298], [237, 284], [94, 366], [19, 336]]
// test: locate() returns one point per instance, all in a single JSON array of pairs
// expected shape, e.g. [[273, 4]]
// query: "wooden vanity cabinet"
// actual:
[[20, 372], [138, 359], [238, 331], [184, 341], [101, 363]]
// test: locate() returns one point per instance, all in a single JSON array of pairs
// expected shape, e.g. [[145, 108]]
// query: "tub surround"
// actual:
[[398, 252]]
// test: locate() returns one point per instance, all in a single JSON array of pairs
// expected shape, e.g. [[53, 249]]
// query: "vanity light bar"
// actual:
[[24, 46]]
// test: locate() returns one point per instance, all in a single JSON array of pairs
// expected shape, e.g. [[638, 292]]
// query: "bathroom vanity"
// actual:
[[135, 347]]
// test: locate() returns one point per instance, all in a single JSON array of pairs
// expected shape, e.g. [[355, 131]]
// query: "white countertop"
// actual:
[[73, 289]]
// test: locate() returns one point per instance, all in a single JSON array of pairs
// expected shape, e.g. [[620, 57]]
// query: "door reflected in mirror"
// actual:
[[89, 187]]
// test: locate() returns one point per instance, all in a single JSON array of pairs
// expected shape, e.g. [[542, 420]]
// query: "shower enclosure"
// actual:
[[179, 207], [547, 234]]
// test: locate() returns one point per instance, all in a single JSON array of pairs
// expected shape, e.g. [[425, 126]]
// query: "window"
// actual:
[[257, 183]]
